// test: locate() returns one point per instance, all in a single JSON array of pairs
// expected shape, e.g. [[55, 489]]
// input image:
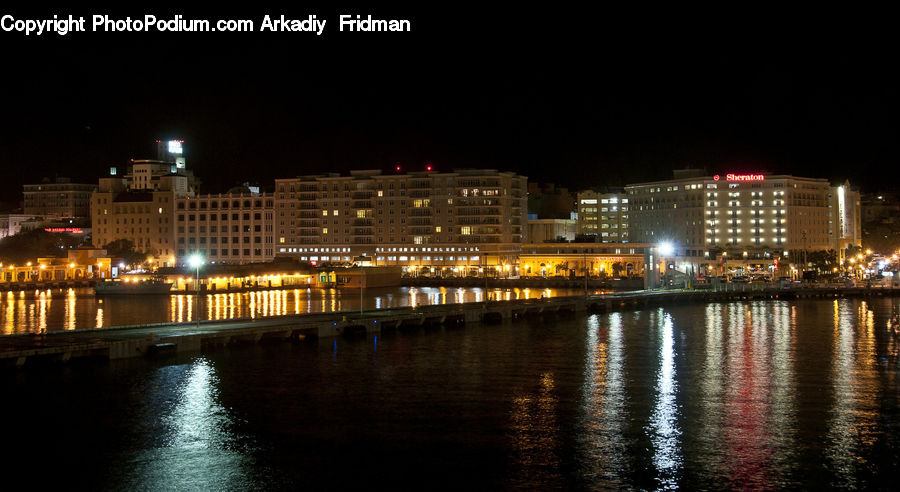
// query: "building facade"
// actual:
[[225, 228], [465, 220], [145, 217], [744, 211], [571, 259], [12, 224], [551, 230], [60, 199], [604, 215]]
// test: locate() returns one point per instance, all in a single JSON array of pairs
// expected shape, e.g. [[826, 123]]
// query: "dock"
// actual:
[[164, 338]]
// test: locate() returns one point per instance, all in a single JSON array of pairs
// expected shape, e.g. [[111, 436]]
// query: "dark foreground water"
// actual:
[[745, 395]]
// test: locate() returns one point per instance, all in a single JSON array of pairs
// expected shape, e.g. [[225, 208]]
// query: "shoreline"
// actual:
[[169, 338]]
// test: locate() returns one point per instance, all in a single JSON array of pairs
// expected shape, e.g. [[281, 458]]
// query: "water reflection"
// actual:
[[854, 417], [194, 445], [604, 418], [33, 311], [535, 430], [664, 429], [747, 399], [744, 395]]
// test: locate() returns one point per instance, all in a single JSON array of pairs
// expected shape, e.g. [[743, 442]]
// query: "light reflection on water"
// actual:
[[853, 420], [191, 444], [38, 311], [663, 428], [535, 433], [759, 395], [601, 434]]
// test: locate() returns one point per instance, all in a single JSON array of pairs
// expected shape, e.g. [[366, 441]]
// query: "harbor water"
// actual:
[[70, 309], [746, 395]]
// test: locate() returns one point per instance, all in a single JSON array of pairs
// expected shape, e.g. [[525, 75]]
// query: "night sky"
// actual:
[[567, 96]]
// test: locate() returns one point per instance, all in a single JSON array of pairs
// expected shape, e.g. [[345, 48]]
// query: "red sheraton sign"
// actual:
[[742, 177]]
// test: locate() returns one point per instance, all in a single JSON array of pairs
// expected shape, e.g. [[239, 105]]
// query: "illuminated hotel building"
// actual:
[[604, 215], [746, 211], [462, 221]]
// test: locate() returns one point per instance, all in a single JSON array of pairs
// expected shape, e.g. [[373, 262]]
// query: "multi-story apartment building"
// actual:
[[744, 211], [466, 219], [604, 215], [60, 199], [225, 228]]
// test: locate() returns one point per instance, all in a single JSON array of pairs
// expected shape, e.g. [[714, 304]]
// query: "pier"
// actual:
[[157, 339]]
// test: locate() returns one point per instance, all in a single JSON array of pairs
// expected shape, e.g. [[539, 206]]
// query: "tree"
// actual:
[[823, 261], [31, 245], [124, 248]]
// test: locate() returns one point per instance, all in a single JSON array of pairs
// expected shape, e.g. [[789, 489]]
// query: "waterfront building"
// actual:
[[604, 216], [467, 221], [145, 217], [551, 230], [782, 214], [226, 227], [60, 199], [571, 259], [154, 205], [79, 264]]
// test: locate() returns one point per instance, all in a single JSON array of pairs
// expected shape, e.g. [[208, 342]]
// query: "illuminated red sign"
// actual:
[[70, 230], [742, 177], [745, 177]]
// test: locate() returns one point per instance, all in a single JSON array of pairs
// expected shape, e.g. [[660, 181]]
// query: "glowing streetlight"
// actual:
[[666, 249], [195, 261]]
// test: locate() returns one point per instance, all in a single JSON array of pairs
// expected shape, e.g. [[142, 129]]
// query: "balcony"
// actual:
[[361, 221]]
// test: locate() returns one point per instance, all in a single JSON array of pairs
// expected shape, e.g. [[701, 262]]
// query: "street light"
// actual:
[[665, 249], [195, 261]]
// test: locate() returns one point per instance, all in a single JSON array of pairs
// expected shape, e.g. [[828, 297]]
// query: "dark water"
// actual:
[[71, 309], [760, 395]]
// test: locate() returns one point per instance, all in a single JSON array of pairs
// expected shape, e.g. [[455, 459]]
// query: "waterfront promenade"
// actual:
[[161, 338]]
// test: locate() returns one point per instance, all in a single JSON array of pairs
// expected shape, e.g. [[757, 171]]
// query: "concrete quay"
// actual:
[[163, 338]]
